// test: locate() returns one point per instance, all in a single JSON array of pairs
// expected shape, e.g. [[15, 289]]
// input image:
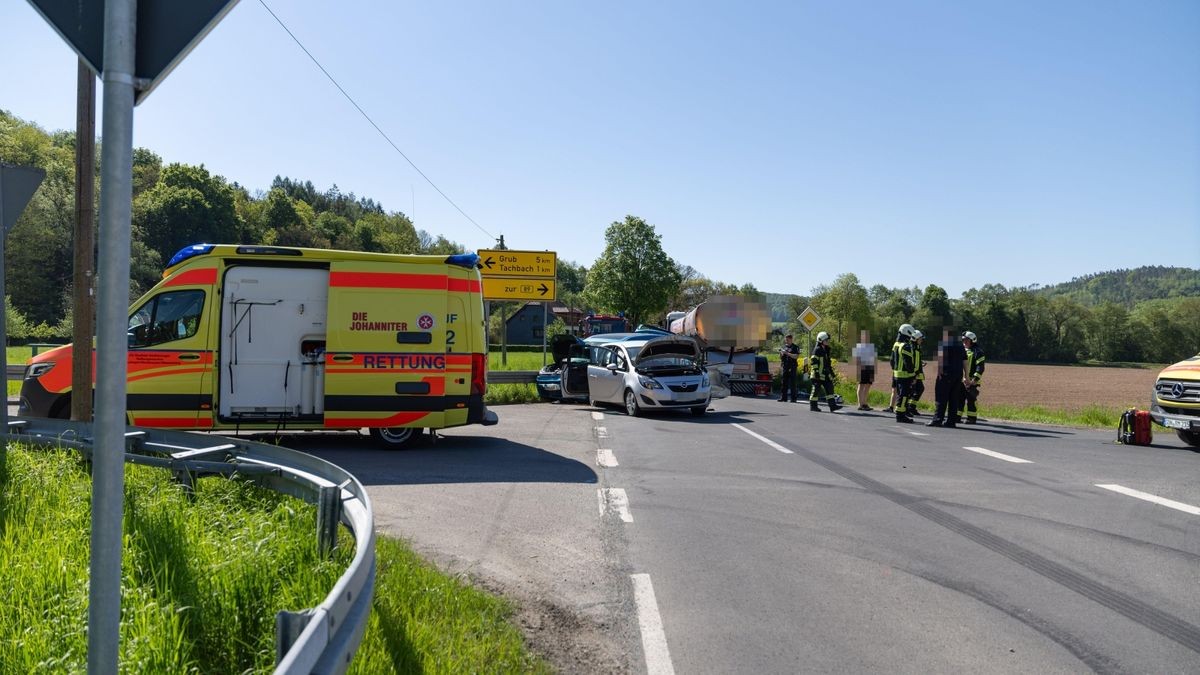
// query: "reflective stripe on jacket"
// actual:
[[903, 359], [975, 361]]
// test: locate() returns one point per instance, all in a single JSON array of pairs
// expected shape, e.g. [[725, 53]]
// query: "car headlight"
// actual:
[[648, 382], [704, 379], [38, 369]]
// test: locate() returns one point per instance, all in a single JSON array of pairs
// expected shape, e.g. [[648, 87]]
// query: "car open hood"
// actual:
[[668, 344]]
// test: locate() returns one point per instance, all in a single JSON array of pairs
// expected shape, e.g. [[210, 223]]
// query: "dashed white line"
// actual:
[[597, 416], [997, 455], [918, 433], [654, 639], [768, 441], [605, 457], [616, 500], [601, 432], [1161, 501]]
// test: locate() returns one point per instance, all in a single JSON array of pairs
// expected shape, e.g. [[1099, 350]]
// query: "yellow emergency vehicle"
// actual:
[[1175, 402], [267, 338]]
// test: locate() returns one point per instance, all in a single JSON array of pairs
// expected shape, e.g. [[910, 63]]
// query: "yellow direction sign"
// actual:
[[527, 264], [505, 288], [809, 318]]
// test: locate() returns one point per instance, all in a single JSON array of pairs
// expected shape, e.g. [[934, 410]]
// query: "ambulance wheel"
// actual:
[[1192, 438], [395, 438], [631, 404]]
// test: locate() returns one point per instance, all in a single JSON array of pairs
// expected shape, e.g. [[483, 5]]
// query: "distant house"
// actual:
[[525, 326]]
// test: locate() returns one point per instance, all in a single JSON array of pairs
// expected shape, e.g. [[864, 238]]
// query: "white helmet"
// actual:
[[968, 335], [917, 335], [906, 329], [822, 336]]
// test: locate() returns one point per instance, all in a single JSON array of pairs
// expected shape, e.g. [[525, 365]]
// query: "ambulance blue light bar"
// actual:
[[190, 252], [469, 260]]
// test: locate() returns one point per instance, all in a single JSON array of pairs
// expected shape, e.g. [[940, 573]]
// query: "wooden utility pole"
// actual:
[[83, 297]]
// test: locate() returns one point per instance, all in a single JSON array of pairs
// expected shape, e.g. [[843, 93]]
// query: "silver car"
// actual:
[[659, 372]]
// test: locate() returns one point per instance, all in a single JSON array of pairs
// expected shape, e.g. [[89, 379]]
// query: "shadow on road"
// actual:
[[449, 459]]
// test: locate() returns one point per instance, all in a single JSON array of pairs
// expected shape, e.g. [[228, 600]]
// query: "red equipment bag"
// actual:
[[1134, 427]]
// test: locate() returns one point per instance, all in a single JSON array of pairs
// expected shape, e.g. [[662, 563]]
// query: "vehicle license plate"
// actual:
[[1176, 424]]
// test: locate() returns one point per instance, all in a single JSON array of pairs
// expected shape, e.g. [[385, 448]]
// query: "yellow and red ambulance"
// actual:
[[280, 338]]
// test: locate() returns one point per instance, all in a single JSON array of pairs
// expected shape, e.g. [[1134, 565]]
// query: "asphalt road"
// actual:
[[763, 538]]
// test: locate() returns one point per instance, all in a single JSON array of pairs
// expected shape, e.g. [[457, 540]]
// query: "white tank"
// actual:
[[726, 321]]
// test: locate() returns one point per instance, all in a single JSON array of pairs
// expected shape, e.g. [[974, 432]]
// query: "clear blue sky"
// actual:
[[774, 143]]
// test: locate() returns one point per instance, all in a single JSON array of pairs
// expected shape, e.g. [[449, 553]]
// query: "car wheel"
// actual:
[[1190, 437], [631, 404], [699, 410], [395, 438]]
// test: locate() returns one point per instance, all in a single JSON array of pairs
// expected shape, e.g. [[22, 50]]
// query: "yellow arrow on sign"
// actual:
[[506, 288], [527, 264]]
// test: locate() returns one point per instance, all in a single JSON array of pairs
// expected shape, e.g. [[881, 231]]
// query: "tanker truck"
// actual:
[[730, 329]]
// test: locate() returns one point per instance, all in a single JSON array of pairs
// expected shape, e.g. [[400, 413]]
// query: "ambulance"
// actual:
[[277, 338]]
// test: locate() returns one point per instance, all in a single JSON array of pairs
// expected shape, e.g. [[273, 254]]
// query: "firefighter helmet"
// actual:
[[968, 335], [917, 335], [822, 336], [906, 329]]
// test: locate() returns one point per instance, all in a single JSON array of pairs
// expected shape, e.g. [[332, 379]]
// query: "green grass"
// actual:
[[202, 580], [517, 361], [18, 354]]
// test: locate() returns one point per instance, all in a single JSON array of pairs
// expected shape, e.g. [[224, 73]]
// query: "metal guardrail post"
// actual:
[[329, 514]]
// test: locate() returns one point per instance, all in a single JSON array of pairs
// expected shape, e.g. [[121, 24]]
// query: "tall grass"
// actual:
[[203, 578]]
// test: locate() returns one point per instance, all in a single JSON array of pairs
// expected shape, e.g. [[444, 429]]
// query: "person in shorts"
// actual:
[[863, 359]]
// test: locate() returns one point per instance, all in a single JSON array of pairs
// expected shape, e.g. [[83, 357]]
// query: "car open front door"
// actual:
[[606, 374], [574, 371]]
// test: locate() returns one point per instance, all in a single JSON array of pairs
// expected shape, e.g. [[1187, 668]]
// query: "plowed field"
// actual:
[[1053, 387]]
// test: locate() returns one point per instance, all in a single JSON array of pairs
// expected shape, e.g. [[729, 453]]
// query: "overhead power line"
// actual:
[[369, 120]]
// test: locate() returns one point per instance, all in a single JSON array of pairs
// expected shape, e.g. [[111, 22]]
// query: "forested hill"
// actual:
[[1129, 287]]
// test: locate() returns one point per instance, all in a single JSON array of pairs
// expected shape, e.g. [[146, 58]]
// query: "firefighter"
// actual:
[[822, 375], [903, 371], [972, 374], [918, 385]]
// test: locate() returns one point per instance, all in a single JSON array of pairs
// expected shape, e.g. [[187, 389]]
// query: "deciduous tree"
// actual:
[[633, 275]]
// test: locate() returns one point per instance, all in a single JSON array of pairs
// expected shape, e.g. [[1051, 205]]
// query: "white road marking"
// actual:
[[997, 455], [601, 432], [597, 416], [654, 639], [918, 433], [768, 441], [617, 500], [1161, 501], [605, 457]]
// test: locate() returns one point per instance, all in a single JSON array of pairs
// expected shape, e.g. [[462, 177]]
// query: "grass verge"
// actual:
[[203, 578]]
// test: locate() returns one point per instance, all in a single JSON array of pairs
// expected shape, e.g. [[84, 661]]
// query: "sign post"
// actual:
[[103, 33], [809, 319]]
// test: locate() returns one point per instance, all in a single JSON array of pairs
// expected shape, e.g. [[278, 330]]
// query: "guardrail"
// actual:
[[511, 376], [321, 639]]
